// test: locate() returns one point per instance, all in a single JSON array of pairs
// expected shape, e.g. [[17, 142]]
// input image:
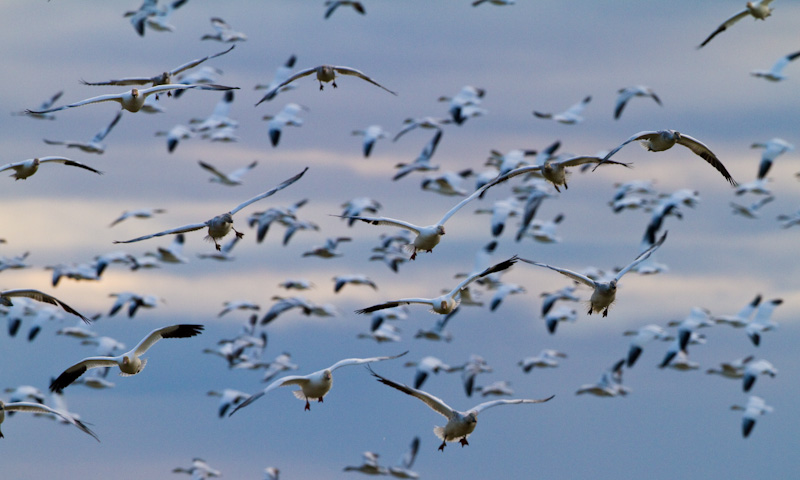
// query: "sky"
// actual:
[[545, 56]]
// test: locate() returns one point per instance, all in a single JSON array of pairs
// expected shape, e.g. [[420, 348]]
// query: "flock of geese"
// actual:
[[534, 177]]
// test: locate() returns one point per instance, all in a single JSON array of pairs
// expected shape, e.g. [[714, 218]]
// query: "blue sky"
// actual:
[[531, 56]]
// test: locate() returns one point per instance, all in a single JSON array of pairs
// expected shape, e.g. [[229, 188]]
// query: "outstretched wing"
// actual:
[[483, 406], [358, 361], [212, 169], [102, 133], [72, 373], [499, 267], [568, 273], [706, 154], [172, 331], [194, 63], [300, 74], [430, 400], [477, 193], [383, 221], [43, 297], [729, 22], [40, 408], [361, 75], [68, 162], [396, 303], [100, 98], [281, 382], [269, 192], [186, 228], [642, 257]]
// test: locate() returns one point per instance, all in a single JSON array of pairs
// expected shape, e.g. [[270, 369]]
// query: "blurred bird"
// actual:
[[95, 145], [759, 11], [627, 93], [570, 116], [224, 32], [26, 168]]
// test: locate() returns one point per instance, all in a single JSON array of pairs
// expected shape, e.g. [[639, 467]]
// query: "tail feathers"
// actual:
[[439, 432]]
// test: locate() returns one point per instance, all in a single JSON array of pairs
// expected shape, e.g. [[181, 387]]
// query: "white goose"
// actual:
[[41, 408], [26, 168], [222, 224], [314, 385], [129, 363], [327, 73], [459, 424]]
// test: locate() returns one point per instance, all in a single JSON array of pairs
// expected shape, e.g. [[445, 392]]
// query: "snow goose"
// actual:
[[627, 93], [371, 134], [95, 145], [222, 224], [604, 292], [459, 424], [761, 322], [7, 295], [224, 32], [775, 74], [327, 73], [759, 11], [40, 408], [660, 140], [570, 116], [26, 168], [403, 467], [332, 5], [755, 406], [446, 303], [281, 75], [370, 465], [314, 385], [129, 363], [230, 179]]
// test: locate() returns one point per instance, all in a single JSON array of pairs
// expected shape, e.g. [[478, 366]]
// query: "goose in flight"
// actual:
[[569, 117], [43, 106], [759, 11], [627, 93], [7, 295], [755, 406], [133, 100], [25, 168], [775, 74], [314, 385], [164, 78], [41, 408], [327, 73], [660, 140], [371, 134], [281, 74], [403, 467], [129, 363], [332, 5], [231, 179], [761, 322], [554, 169], [604, 291], [95, 145], [222, 224], [225, 33], [428, 236], [459, 424], [446, 303]]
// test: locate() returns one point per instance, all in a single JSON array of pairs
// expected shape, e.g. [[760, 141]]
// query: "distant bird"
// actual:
[[95, 145], [627, 93], [446, 303], [697, 318], [499, 388], [761, 322], [219, 117], [753, 369], [557, 315], [775, 74], [468, 96], [643, 335], [471, 369], [789, 220], [139, 17], [7, 295], [138, 213], [200, 470], [447, 183], [547, 358], [133, 100], [159, 19], [371, 134], [570, 116], [750, 211], [423, 161], [499, 3], [287, 117], [755, 406], [429, 123], [44, 106], [459, 424], [354, 279], [427, 237], [25, 168], [224, 32], [332, 5], [281, 363], [609, 385], [222, 224], [327, 73], [501, 292], [129, 363], [313, 386], [175, 135], [427, 366], [370, 465], [733, 369], [773, 148], [281, 75], [359, 205], [604, 292], [40, 408], [134, 301], [759, 11], [165, 78], [680, 361], [238, 305], [228, 398], [296, 284], [403, 467], [328, 250], [660, 140], [230, 179], [172, 253]]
